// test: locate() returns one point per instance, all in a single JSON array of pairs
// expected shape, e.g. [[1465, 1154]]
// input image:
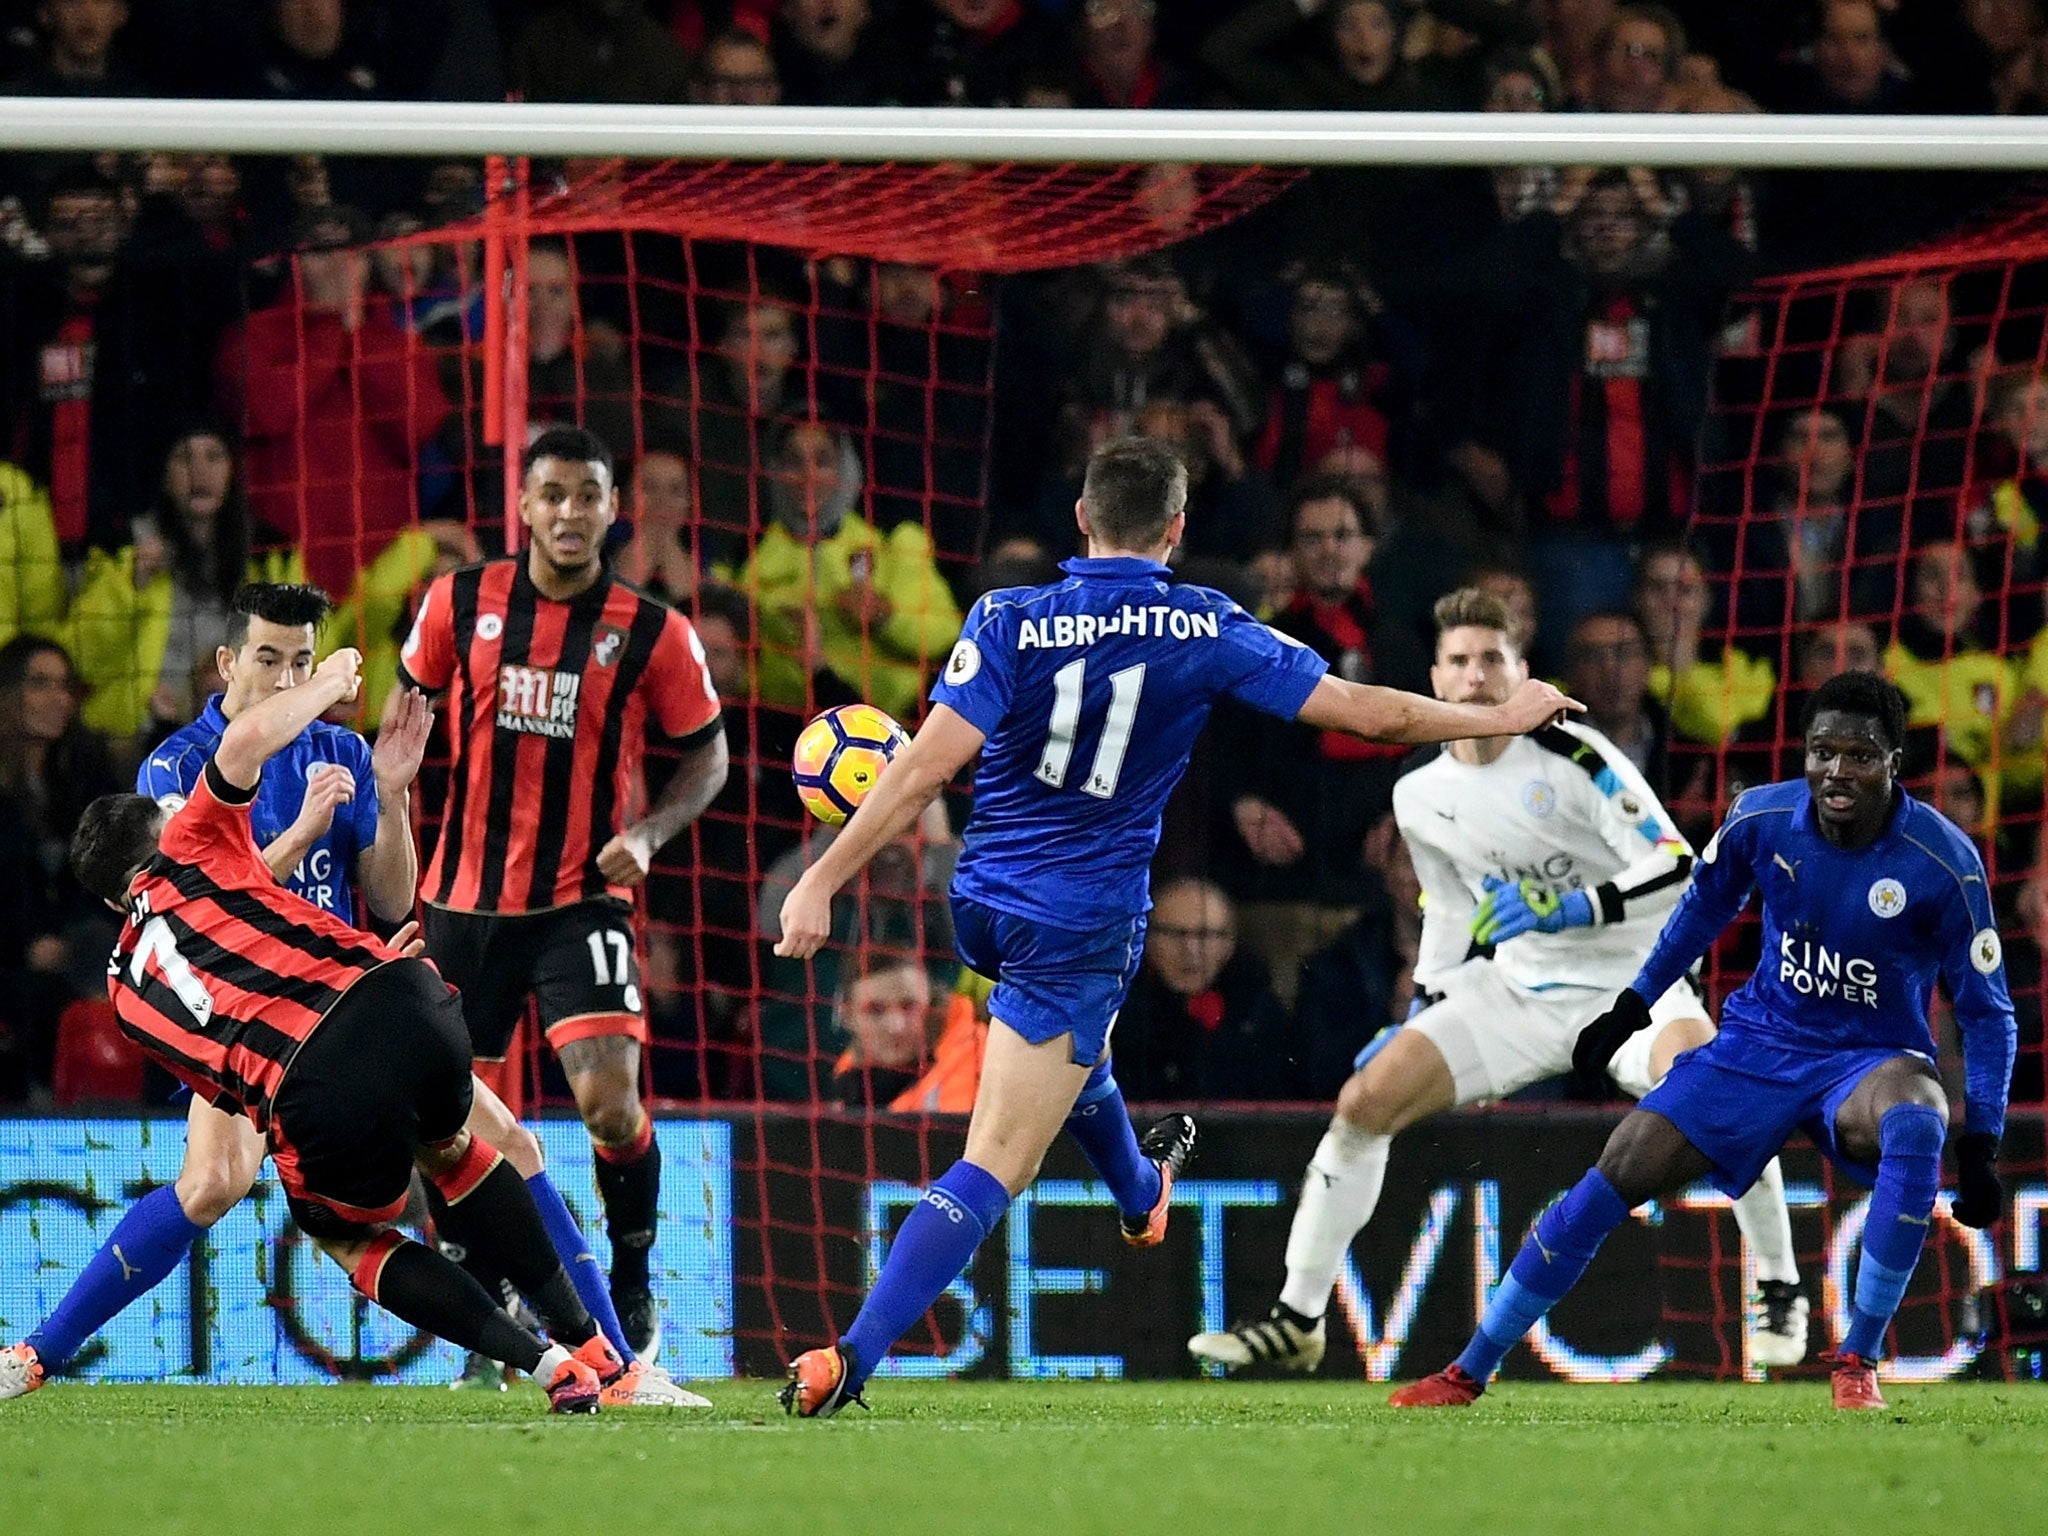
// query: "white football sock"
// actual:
[[1767, 1225], [1338, 1195], [550, 1362]]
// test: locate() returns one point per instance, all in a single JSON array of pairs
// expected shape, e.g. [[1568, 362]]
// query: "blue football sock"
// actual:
[[1102, 1126], [1550, 1263], [1909, 1140], [144, 1247], [585, 1273], [932, 1246]]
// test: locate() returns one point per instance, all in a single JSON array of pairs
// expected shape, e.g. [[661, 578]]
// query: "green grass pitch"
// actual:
[[1173, 1459]]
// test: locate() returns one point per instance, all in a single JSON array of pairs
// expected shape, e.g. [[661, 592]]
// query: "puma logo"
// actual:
[[1548, 1256], [128, 1271], [1791, 870]]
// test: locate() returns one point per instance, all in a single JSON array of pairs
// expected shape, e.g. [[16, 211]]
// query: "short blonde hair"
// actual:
[[1472, 607]]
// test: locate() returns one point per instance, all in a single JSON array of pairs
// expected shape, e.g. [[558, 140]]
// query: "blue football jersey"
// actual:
[[1091, 692], [326, 875], [1852, 939]]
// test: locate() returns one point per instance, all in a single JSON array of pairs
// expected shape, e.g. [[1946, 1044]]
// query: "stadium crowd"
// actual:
[[1385, 383]]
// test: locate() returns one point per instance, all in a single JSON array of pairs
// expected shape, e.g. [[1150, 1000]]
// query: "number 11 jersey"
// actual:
[[1091, 692]]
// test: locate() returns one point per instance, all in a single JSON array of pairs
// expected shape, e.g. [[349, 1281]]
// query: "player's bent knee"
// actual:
[[1394, 1090], [1643, 1158], [207, 1193], [614, 1122], [1673, 1041], [522, 1150]]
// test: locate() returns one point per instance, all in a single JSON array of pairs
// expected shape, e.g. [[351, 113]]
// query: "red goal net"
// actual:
[[797, 367]]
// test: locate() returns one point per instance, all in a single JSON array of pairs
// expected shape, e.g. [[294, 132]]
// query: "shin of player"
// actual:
[[1082, 700], [1867, 897]]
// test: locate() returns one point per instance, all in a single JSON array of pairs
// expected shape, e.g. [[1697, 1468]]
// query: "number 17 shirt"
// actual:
[[548, 707], [1091, 692]]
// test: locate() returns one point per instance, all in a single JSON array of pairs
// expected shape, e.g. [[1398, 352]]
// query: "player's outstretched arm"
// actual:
[[943, 745], [1392, 714], [263, 730]]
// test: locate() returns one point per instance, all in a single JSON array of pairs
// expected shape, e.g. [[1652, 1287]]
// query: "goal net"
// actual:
[[800, 368]]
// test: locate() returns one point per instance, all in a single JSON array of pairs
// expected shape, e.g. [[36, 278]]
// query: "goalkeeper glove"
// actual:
[[1599, 1040], [1980, 1197], [1508, 911]]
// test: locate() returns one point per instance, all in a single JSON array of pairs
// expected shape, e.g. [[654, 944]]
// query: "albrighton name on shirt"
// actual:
[[1158, 622], [537, 701]]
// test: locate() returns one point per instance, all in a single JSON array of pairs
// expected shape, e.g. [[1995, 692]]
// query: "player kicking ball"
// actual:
[[1083, 699], [330, 815], [1867, 895], [1546, 867], [349, 1055]]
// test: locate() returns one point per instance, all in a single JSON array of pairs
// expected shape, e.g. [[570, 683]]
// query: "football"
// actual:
[[840, 755]]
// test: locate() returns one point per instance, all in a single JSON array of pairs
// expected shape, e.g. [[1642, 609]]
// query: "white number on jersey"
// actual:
[[1125, 688], [615, 976], [157, 942]]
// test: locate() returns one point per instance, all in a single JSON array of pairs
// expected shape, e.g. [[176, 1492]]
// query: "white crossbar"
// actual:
[[1043, 137]]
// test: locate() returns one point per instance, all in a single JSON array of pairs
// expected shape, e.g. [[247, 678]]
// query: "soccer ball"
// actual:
[[840, 755]]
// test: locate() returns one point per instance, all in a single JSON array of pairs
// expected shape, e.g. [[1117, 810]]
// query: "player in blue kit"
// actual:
[[1083, 699], [1867, 895], [331, 815]]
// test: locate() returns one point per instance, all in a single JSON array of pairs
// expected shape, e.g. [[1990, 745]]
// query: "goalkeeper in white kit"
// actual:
[[1547, 868]]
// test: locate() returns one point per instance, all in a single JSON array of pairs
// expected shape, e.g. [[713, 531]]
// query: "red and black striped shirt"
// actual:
[[548, 708], [221, 973]]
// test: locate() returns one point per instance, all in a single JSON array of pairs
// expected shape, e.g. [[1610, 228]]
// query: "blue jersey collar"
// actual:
[[1803, 819], [211, 716], [1126, 566]]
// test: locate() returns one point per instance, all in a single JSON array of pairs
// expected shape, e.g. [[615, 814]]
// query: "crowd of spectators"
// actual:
[[1385, 384]]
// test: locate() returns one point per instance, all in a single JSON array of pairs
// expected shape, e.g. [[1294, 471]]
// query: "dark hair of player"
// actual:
[[1321, 485], [116, 836], [1860, 693], [572, 445], [1473, 608], [275, 602], [1135, 486]]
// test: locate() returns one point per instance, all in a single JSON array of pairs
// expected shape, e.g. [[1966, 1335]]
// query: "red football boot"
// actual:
[[819, 1384], [1855, 1381], [1448, 1388]]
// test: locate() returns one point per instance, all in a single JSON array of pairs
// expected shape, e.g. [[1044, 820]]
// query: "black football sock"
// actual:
[[630, 1187], [452, 1235], [416, 1284], [495, 1213]]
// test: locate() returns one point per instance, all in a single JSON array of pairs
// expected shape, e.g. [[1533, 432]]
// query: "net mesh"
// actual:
[[771, 346], [772, 350]]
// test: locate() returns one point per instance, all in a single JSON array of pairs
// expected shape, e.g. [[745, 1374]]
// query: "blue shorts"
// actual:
[[1050, 981], [1739, 1100]]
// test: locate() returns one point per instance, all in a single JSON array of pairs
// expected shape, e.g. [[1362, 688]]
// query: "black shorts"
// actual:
[[576, 962], [386, 1072]]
